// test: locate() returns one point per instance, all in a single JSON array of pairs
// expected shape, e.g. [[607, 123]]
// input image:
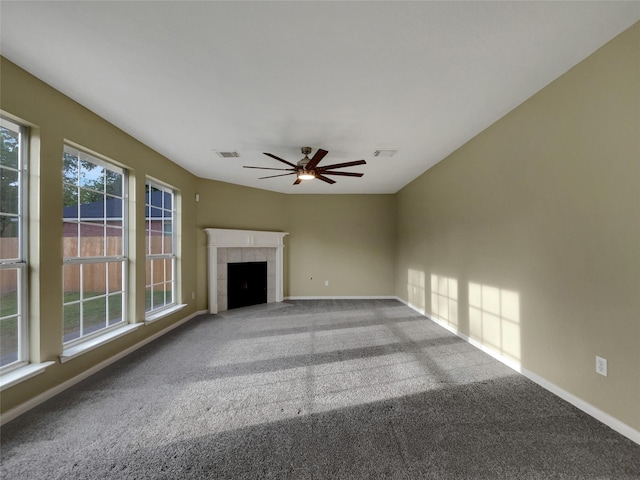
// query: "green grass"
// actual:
[[9, 306]]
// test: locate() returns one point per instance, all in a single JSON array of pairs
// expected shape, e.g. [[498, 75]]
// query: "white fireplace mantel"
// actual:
[[224, 238]]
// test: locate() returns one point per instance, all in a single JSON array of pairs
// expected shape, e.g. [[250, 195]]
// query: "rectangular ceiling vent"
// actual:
[[228, 154], [384, 153]]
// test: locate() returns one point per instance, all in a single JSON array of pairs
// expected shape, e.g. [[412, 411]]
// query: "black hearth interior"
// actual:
[[246, 284]]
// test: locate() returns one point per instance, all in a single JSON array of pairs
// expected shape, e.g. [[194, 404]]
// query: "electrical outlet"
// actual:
[[326, 283], [193, 295], [601, 366]]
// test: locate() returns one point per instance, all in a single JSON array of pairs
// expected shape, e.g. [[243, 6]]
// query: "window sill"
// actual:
[[18, 375], [154, 316], [84, 347]]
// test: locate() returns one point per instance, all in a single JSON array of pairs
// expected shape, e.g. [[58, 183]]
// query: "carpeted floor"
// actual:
[[311, 389]]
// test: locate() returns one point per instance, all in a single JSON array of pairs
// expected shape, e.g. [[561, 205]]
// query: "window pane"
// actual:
[[70, 202], [158, 271], [91, 176], [91, 206], [70, 240], [156, 216], [9, 191], [91, 240], [168, 270], [71, 283], [154, 196], [168, 294], [9, 282], [9, 240], [94, 315], [71, 329], [9, 340], [158, 295], [115, 308], [70, 168], [147, 299], [114, 182], [167, 201], [114, 241], [10, 148], [115, 277], [155, 242], [94, 280], [114, 210]]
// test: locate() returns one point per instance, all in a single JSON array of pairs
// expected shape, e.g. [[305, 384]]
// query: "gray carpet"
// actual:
[[311, 389]]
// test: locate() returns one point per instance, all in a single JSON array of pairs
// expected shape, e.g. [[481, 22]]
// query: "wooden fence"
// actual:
[[95, 278]]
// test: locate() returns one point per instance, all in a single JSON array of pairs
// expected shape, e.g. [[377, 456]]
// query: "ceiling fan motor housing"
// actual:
[[302, 163]]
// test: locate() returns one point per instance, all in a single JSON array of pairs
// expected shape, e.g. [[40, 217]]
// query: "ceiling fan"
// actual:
[[308, 169]]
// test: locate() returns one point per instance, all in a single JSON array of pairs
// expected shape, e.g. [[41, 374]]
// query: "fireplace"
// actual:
[[243, 246], [246, 284]]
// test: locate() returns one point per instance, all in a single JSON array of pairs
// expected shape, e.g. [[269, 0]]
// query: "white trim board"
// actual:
[[44, 396], [612, 422]]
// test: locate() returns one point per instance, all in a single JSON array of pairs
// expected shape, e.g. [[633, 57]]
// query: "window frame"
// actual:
[[78, 259], [173, 256], [21, 262]]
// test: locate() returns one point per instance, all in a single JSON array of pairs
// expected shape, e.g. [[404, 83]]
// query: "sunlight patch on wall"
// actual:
[[444, 299], [494, 319], [416, 288]]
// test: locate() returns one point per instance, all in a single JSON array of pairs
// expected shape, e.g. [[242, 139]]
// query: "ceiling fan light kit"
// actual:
[[308, 169], [306, 175]]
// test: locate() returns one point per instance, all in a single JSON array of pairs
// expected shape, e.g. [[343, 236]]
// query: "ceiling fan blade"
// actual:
[[341, 165], [324, 179], [281, 175], [279, 159], [297, 182], [267, 168], [320, 154], [344, 174]]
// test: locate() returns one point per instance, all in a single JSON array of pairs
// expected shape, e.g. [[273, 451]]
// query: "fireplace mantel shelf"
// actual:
[[226, 238]]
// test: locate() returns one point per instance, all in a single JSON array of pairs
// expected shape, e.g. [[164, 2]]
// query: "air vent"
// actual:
[[228, 154], [384, 153]]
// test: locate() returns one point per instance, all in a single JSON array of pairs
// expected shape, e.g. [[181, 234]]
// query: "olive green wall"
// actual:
[[527, 239], [348, 240], [224, 205]]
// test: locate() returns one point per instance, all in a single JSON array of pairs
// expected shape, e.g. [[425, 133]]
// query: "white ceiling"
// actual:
[[192, 78]]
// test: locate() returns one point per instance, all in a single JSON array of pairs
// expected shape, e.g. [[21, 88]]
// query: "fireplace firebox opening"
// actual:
[[246, 284]]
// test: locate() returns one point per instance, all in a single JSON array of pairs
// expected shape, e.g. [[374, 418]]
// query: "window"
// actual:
[[13, 260], [160, 248], [94, 246]]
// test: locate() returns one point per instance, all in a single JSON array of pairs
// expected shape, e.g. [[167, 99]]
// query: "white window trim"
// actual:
[[92, 343], [155, 315], [15, 376]]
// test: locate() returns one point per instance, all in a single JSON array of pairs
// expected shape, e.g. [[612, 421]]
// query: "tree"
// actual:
[[9, 186], [87, 180]]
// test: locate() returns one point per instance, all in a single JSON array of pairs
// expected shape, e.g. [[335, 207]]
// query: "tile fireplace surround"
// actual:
[[239, 246]]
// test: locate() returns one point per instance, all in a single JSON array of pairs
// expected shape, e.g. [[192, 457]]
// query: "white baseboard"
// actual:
[[612, 422], [44, 396], [344, 297]]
